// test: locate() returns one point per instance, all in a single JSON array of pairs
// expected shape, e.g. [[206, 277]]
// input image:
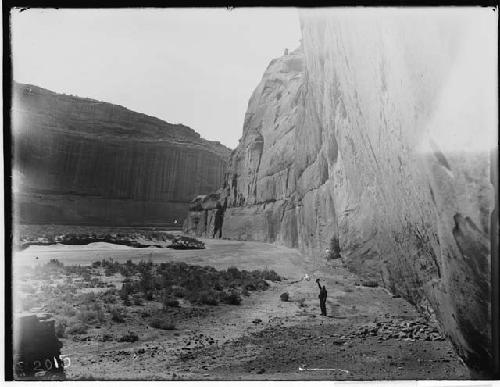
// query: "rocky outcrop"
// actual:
[[372, 140], [78, 160], [205, 216]]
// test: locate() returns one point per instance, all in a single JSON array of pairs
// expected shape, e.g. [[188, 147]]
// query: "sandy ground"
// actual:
[[264, 338]]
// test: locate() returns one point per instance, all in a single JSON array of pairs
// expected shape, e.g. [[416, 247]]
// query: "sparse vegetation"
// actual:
[[77, 328], [117, 314], [60, 328], [161, 322], [81, 299], [129, 337]]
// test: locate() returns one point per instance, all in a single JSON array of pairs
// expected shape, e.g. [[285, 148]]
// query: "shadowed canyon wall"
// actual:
[[374, 137], [81, 161]]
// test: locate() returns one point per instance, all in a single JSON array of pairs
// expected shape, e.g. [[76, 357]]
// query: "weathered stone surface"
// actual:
[[78, 160], [205, 216], [371, 139]]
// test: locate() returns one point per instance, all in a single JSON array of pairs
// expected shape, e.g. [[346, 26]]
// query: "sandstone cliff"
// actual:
[[372, 140], [78, 160]]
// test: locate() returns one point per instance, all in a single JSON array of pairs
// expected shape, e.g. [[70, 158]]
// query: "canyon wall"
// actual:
[[373, 139], [81, 161]]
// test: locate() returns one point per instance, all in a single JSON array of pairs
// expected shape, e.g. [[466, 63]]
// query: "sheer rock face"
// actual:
[[369, 138], [78, 160]]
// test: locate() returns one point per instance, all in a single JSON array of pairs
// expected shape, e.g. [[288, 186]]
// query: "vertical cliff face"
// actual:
[[401, 99], [79, 160], [374, 138]]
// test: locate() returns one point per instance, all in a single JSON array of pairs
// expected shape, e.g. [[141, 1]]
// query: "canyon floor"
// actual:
[[364, 336]]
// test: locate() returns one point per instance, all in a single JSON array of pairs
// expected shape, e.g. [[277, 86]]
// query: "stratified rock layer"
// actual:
[[371, 138], [78, 160]]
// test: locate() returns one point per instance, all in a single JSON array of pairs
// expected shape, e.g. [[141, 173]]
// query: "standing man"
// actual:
[[322, 298]]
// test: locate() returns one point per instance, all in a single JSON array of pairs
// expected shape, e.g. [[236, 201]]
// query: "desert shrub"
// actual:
[[245, 293], [334, 249], [129, 337], [161, 323], [137, 300], [54, 265], [170, 302], [68, 310], [60, 328], [98, 309], [146, 281], [249, 286], [108, 297], [77, 328], [86, 277], [94, 313], [270, 275], [87, 298], [232, 298], [127, 289], [126, 301], [178, 292], [106, 337], [117, 314], [207, 297], [218, 287], [234, 272], [370, 284], [284, 297], [96, 264], [261, 284]]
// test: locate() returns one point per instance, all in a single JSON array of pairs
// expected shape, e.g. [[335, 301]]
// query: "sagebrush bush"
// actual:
[[129, 337], [77, 328], [232, 298], [179, 292], [206, 297], [159, 322], [170, 302], [60, 328], [117, 314], [270, 275]]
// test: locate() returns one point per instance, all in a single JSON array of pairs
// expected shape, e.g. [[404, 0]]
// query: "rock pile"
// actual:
[[418, 329]]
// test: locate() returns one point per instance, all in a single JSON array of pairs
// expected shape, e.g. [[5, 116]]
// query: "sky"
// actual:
[[197, 67]]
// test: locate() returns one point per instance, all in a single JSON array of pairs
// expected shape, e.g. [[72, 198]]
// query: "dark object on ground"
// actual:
[[370, 284], [129, 337], [36, 348], [257, 321], [284, 297], [184, 243]]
